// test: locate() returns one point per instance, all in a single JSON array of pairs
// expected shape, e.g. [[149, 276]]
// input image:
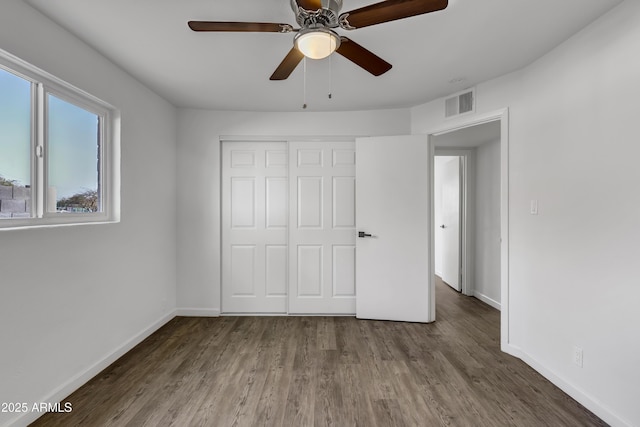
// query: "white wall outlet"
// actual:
[[577, 356], [534, 207]]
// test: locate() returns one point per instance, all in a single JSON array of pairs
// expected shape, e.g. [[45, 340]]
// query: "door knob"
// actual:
[[362, 234], [442, 226]]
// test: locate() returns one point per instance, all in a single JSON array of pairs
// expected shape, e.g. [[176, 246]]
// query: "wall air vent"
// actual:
[[461, 103]]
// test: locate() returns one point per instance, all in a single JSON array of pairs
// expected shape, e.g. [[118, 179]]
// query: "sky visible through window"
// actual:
[[73, 140], [73, 148], [15, 128]]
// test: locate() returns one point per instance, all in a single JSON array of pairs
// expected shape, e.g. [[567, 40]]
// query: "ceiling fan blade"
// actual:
[[261, 27], [363, 57], [310, 4], [388, 10], [288, 64]]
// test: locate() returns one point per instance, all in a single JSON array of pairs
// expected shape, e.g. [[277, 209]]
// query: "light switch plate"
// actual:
[[534, 207]]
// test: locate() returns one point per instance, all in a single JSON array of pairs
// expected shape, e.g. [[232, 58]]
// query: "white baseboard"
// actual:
[[64, 390], [586, 400], [197, 312], [485, 299], [254, 314]]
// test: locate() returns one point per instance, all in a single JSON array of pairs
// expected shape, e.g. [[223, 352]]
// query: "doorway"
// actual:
[[481, 150]]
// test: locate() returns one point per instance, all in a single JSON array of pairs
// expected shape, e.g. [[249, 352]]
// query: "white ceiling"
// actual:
[[471, 40]]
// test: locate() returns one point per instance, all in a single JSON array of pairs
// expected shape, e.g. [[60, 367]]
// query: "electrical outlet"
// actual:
[[577, 356]]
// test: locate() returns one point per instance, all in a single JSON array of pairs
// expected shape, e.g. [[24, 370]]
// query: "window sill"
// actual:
[[31, 223]]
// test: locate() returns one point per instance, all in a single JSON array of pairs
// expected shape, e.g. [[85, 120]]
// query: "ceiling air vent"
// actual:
[[460, 103]]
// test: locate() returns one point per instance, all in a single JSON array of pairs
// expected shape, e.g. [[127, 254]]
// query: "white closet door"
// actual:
[[254, 227], [322, 230]]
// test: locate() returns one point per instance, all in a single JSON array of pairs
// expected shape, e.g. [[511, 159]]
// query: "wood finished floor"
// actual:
[[324, 371]]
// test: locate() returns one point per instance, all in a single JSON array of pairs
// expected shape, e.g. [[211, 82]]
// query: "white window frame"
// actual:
[[42, 85]]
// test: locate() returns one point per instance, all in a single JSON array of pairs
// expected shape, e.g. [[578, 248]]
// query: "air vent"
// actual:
[[460, 103]]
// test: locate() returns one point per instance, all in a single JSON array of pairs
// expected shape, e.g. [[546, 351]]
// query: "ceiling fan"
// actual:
[[316, 38]]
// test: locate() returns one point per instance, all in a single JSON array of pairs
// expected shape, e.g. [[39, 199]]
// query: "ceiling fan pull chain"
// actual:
[[304, 83], [330, 76]]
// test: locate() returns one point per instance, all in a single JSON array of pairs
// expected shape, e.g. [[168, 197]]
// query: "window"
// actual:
[[57, 150], [15, 145]]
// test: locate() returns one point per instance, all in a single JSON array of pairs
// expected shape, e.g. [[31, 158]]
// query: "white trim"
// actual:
[[504, 228], [65, 389], [466, 122], [38, 163], [283, 314], [42, 223], [431, 282], [489, 301], [289, 314], [197, 312], [467, 237], [584, 398], [288, 138]]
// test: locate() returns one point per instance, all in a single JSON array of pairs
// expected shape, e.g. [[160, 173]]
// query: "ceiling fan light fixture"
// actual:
[[316, 43]]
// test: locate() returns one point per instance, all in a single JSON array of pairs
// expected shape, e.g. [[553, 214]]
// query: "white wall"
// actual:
[[199, 172], [573, 146], [73, 297], [486, 284], [487, 223]]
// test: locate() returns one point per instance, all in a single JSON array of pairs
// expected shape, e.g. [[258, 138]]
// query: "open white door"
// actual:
[[393, 265], [451, 223]]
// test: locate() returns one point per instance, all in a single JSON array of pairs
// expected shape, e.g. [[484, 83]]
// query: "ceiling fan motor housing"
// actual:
[[327, 16]]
